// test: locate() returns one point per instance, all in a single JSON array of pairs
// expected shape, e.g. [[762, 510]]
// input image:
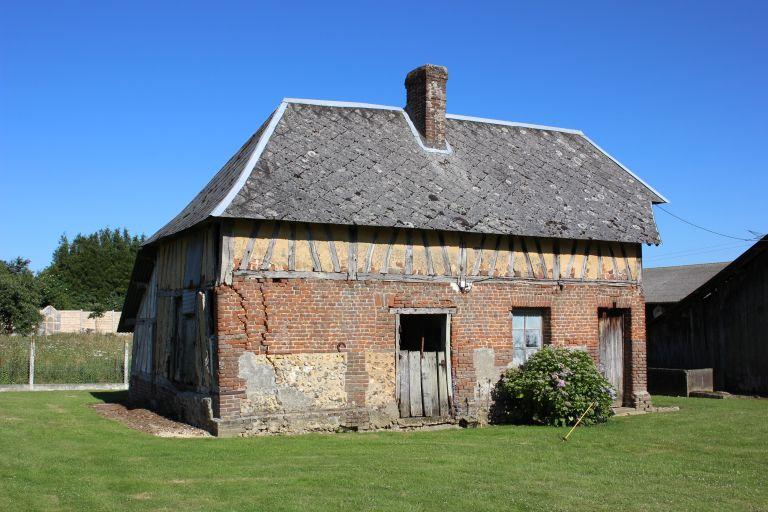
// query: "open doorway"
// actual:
[[423, 365]]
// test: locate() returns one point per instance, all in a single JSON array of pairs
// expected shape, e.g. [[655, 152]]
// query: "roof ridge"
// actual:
[[458, 117], [516, 124]]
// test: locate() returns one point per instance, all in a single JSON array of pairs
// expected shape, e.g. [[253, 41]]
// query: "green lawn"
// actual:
[[56, 453], [67, 358]]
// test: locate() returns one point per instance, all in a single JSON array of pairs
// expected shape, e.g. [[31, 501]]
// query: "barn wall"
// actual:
[[174, 356], [724, 327], [299, 355]]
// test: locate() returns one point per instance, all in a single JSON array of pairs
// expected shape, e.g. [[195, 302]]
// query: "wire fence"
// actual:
[[66, 359]]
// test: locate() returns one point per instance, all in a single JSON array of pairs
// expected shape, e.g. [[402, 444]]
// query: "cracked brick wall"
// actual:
[[330, 321]]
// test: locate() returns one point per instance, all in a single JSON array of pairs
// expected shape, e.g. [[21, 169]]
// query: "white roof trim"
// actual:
[[512, 123], [349, 104], [331, 103], [246, 172], [638, 178]]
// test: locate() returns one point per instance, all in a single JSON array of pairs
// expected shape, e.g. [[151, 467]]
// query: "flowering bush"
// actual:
[[554, 387]]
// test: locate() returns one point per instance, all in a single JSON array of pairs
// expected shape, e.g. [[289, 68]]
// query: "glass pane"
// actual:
[[518, 321], [533, 321], [518, 337], [533, 339]]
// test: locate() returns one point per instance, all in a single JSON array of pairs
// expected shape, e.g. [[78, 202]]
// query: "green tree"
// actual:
[[19, 298], [91, 271]]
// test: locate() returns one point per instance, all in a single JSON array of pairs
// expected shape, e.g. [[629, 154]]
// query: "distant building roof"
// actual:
[[672, 284]]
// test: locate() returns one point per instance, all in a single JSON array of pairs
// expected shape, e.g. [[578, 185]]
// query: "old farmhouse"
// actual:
[[358, 266]]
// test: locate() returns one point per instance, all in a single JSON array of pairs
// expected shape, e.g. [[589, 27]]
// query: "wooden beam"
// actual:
[[626, 261], [292, 246], [388, 254], [226, 265], [511, 260], [542, 262], [614, 263], [571, 260], [408, 253], [524, 246], [332, 249], [444, 251], [478, 257], [271, 247], [586, 260], [600, 261], [416, 278], [246, 261], [352, 254], [427, 253], [369, 253], [556, 259], [421, 311], [316, 266], [494, 257]]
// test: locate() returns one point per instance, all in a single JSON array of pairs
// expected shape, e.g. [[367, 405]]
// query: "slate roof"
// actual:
[[672, 284], [365, 165]]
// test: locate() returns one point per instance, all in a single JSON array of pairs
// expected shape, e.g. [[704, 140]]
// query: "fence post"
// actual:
[[126, 370], [32, 362]]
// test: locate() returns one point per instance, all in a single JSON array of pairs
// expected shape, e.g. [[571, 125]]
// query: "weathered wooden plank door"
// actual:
[[429, 384], [414, 363], [422, 368], [612, 351], [403, 383], [442, 384]]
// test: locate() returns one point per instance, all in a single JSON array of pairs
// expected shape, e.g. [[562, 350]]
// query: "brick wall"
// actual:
[[320, 316]]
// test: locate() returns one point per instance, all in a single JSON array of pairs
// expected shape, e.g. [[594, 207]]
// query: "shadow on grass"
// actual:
[[112, 397]]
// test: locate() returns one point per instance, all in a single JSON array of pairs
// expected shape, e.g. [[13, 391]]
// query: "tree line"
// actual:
[[90, 272]]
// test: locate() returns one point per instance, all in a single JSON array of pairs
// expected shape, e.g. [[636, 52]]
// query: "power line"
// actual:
[[723, 246], [706, 229], [696, 253]]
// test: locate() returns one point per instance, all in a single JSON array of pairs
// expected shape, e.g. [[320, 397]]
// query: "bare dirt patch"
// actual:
[[147, 421]]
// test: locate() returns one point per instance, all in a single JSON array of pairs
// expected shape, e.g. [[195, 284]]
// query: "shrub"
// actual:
[[554, 387]]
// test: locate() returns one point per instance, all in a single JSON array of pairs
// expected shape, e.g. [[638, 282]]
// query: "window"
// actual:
[[528, 329]]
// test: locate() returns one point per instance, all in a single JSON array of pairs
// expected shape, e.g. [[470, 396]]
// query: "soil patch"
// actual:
[[148, 421]]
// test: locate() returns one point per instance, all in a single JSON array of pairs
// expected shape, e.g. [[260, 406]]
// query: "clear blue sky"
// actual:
[[117, 113]]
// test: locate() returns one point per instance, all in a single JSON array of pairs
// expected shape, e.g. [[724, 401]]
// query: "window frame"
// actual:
[[520, 354]]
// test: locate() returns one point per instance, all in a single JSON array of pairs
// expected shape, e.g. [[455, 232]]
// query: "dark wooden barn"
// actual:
[[722, 324]]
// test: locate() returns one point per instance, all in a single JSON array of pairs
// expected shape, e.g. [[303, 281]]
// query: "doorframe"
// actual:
[[447, 341], [626, 348]]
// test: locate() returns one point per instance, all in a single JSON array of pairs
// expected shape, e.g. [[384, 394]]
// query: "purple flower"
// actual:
[[560, 383]]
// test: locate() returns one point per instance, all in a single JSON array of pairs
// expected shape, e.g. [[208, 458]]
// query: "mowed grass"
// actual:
[[82, 358], [56, 453]]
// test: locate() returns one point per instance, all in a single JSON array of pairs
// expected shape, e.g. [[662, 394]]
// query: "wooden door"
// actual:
[[422, 376], [612, 351]]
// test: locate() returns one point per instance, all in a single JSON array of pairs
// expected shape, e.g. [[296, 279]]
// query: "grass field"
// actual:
[[56, 453], [63, 359]]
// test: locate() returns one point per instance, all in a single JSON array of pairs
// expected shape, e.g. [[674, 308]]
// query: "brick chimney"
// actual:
[[425, 103]]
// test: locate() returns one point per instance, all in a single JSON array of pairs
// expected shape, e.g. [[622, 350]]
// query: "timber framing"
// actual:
[[286, 250]]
